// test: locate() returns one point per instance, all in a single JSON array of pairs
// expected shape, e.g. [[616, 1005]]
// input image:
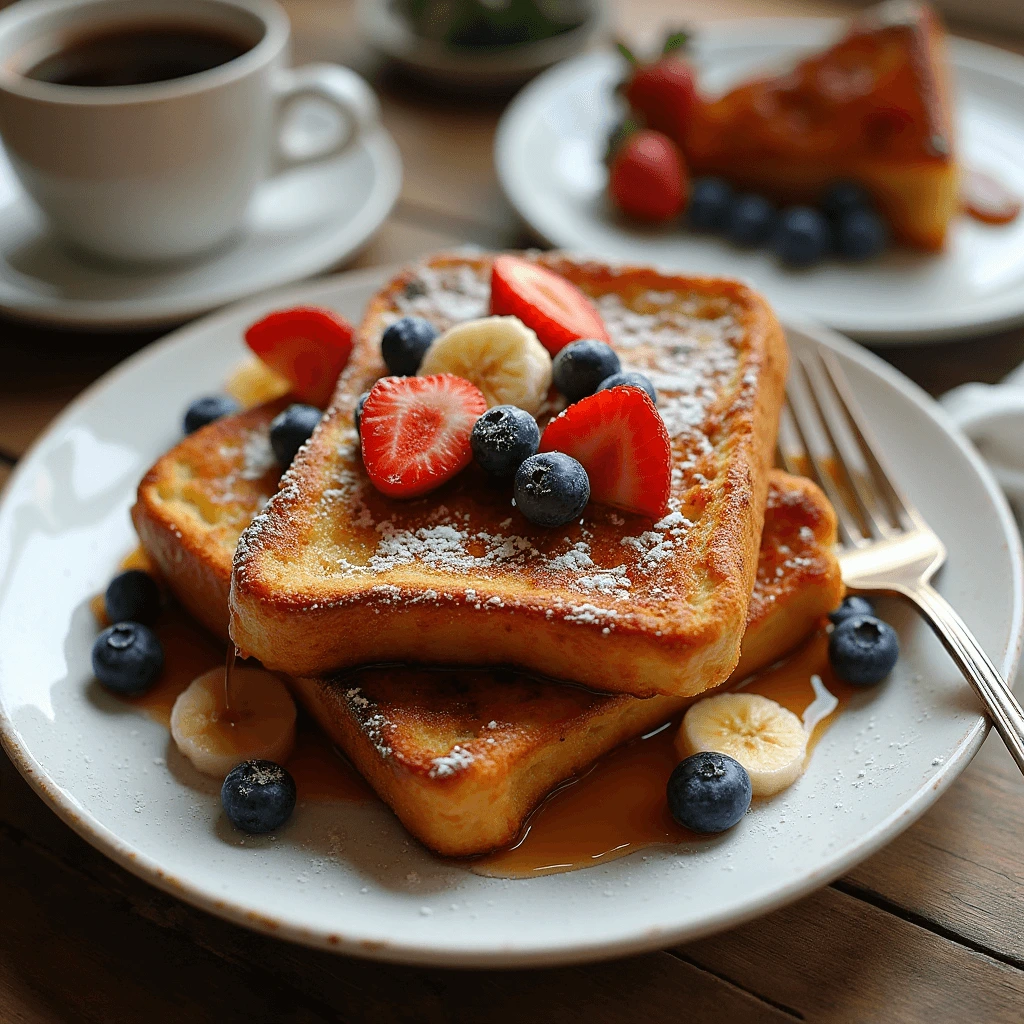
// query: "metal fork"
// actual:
[[887, 547]]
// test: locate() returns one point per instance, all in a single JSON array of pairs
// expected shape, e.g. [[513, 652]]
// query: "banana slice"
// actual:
[[500, 355], [769, 741], [261, 723], [254, 383]]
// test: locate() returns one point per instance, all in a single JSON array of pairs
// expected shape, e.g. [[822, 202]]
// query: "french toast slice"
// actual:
[[874, 108], [333, 574], [196, 500], [461, 756]]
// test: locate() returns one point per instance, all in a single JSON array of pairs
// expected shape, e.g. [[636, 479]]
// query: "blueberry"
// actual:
[[802, 236], [709, 204], [843, 197], [207, 409], [632, 379], [258, 796], [132, 596], [405, 343], [551, 489], [708, 792], [861, 235], [863, 650], [127, 658], [580, 367], [751, 220], [503, 438], [852, 605], [357, 416], [291, 429]]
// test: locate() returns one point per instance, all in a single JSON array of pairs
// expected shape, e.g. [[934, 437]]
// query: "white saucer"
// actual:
[[549, 157], [346, 877], [300, 223]]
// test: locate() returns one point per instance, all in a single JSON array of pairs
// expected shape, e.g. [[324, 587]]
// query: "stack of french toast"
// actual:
[[465, 659]]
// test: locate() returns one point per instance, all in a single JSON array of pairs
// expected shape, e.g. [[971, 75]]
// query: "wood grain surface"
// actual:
[[928, 930]]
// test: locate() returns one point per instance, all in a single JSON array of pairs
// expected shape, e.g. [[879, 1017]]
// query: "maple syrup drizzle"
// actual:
[[619, 806], [987, 199], [321, 773], [613, 809]]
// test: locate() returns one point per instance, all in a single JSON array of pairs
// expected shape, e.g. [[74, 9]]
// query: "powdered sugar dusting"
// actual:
[[688, 346]]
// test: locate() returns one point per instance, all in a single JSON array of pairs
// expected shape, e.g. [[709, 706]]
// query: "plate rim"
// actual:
[[969, 54], [140, 314], [548, 952]]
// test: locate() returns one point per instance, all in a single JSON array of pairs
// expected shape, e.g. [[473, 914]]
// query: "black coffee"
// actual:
[[136, 56]]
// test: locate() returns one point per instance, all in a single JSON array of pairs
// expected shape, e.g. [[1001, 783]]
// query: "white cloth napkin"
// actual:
[[992, 416]]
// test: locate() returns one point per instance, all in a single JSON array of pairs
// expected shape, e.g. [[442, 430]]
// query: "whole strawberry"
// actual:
[[664, 92], [647, 179]]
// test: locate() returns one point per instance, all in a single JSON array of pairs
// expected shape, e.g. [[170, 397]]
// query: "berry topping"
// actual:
[[843, 197], [290, 429], [258, 796], [663, 92], [132, 596], [802, 237], [620, 439], [415, 431], [127, 658], [708, 792], [850, 606], [582, 365], [357, 413], [863, 650], [751, 219], [710, 199], [404, 344], [307, 346], [861, 235], [551, 489], [502, 438], [553, 308], [629, 379], [207, 409], [647, 179]]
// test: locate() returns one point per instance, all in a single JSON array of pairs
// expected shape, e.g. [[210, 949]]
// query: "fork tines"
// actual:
[[823, 434]]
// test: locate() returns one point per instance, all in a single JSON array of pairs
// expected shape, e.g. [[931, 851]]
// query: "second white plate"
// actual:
[[549, 157]]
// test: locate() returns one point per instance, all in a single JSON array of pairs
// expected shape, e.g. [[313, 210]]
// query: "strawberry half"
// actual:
[[620, 439], [305, 345], [415, 431], [553, 308]]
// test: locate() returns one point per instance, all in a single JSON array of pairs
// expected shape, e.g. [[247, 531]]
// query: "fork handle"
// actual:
[[1006, 714]]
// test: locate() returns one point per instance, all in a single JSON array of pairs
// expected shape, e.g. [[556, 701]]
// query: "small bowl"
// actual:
[[494, 69]]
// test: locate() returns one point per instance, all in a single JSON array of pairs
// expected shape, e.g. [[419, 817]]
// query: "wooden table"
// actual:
[[929, 929]]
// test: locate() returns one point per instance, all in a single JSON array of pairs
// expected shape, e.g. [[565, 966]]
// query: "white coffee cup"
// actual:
[[165, 170]]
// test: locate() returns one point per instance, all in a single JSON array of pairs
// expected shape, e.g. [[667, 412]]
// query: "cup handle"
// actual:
[[343, 89]]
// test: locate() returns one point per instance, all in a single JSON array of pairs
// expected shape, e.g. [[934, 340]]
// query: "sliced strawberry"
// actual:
[[307, 346], [553, 308], [620, 439], [415, 431]]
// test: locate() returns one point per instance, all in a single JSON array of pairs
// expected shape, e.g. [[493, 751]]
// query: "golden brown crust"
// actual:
[[424, 738], [195, 501], [334, 574], [463, 756], [791, 135]]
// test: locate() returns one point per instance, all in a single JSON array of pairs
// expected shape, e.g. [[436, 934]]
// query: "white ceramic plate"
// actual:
[[347, 877], [549, 157], [300, 223]]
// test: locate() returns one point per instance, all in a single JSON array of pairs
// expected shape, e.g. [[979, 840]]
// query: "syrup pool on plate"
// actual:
[[619, 806], [320, 772], [614, 809]]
